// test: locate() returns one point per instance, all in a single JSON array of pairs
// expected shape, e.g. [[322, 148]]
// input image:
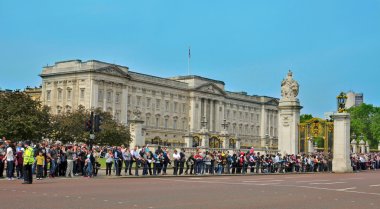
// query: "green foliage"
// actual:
[[305, 117], [365, 119], [70, 127], [22, 118]]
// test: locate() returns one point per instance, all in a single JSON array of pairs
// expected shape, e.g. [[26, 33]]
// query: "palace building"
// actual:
[[170, 107]]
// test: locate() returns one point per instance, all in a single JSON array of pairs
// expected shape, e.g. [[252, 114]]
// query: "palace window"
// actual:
[[148, 102], [82, 90], [157, 122], [100, 95], [174, 124], [129, 99], [59, 94], [175, 106], [138, 100], [166, 106], [117, 99], [68, 94], [184, 108], [166, 122], [109, 96], [48, 95], [158, 104]]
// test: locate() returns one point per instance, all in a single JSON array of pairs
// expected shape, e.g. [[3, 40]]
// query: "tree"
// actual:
[[305, 117], [22, 118], [71, 127], [365, 119]]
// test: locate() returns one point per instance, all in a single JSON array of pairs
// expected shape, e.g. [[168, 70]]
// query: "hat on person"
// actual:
[[27, 142]]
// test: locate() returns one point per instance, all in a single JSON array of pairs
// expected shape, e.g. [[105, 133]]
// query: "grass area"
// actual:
[[102, 162]]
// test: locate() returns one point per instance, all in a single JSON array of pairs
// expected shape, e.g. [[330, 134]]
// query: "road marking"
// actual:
[[341, 190], [269, 181], [310, 181], [377, 185], [218, 178], [350, 179], [195, 178], [329, 183]]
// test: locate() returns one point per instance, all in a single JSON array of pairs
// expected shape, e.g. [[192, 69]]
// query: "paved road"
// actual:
[[324, 191]]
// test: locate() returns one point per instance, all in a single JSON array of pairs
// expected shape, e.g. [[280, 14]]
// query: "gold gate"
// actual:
[[316, 132]]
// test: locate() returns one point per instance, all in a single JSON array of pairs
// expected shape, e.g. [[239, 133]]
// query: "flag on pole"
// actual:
[[189, 53]]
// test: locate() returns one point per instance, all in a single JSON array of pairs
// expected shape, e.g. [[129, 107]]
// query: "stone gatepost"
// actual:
[[188, 140], [366, 147], [238, 143], [310, 146], [224, 138], [205, 139], [136, 129], [289, 116], [137, 134], [354, 146], [341, 160], [362, 146]]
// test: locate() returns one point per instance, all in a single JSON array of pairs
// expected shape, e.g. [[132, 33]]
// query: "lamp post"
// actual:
[[341, 99]]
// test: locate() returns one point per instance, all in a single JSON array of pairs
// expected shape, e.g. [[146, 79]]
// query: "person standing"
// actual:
[[70, 162], [176, 158], [2, 156], [109, 161], [9, 159], [40, 162], [28, 163]]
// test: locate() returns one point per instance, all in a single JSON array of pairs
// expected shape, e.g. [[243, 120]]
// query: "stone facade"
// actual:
[[170, 107]]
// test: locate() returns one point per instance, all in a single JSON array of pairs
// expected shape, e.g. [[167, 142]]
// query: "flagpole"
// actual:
[[188, 62]]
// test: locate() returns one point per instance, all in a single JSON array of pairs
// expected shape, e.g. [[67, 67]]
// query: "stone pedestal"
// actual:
[[362, 146], [341, 161], [237, 143], [188, 140], [310, 147], [354, 146], [367, 147], [289, 117], [137, 135], [224, 138], [205, 140]]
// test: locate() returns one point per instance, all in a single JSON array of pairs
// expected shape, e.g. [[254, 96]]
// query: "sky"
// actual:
[[331, 46]]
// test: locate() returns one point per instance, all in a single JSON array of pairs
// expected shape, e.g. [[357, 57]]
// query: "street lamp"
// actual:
[[341, 98]]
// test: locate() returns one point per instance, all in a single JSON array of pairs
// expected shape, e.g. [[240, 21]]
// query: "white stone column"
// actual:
[[341, 160], [289, 118], [199, 117], [212, 115], [137, 135], [124, 105], [193, 114]]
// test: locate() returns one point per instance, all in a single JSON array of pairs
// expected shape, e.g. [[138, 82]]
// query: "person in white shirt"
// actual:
[[176, 158], [9, 158]]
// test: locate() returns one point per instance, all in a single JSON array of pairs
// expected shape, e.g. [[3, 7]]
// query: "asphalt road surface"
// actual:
[[324, 191]]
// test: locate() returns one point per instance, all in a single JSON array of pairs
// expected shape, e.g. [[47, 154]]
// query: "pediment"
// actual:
[[210, 88], [274, 102], [113, 70]]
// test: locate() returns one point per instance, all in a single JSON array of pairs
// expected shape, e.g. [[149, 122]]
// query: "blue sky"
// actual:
[[331, 46]]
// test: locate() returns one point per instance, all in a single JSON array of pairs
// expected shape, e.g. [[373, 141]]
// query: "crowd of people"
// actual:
[[52, 160]]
